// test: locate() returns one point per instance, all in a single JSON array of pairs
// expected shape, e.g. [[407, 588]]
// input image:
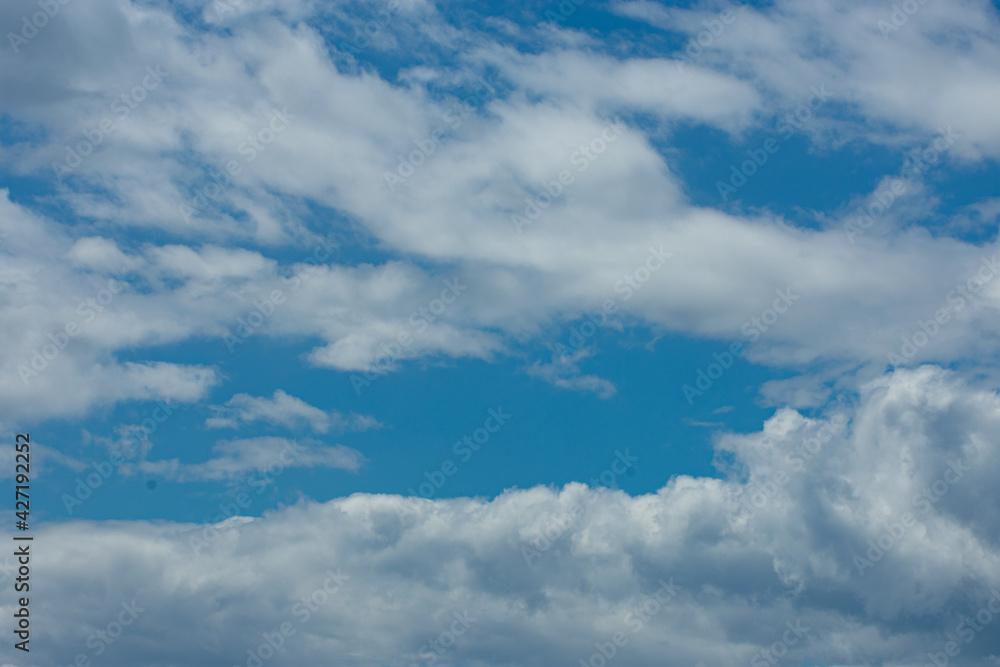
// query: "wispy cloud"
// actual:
[[234, 458], [564, 372], [285, 410]]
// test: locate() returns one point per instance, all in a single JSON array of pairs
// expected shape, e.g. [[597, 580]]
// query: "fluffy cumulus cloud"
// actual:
[[867, 535]]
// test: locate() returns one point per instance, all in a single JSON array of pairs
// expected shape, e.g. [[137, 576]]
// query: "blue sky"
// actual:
[[633, 285], [554, 436]]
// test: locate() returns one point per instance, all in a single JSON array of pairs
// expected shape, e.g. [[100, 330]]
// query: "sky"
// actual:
[[587, 332]]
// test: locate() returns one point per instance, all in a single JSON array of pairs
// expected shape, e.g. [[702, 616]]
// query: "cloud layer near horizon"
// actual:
[[548, 573]]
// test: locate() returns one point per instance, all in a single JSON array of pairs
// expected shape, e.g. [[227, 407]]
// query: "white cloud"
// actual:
[[99, 254], [264, 455], [564, 372], [787, 47], [286, 410]]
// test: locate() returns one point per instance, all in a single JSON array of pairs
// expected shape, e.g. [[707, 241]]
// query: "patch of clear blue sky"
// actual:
[[554, 436]]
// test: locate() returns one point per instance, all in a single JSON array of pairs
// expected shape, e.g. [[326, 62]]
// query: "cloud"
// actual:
[[287, 411], [44, 458], [868, 57], [236, 458], [551, 574], [564, 372], [452, 216]]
